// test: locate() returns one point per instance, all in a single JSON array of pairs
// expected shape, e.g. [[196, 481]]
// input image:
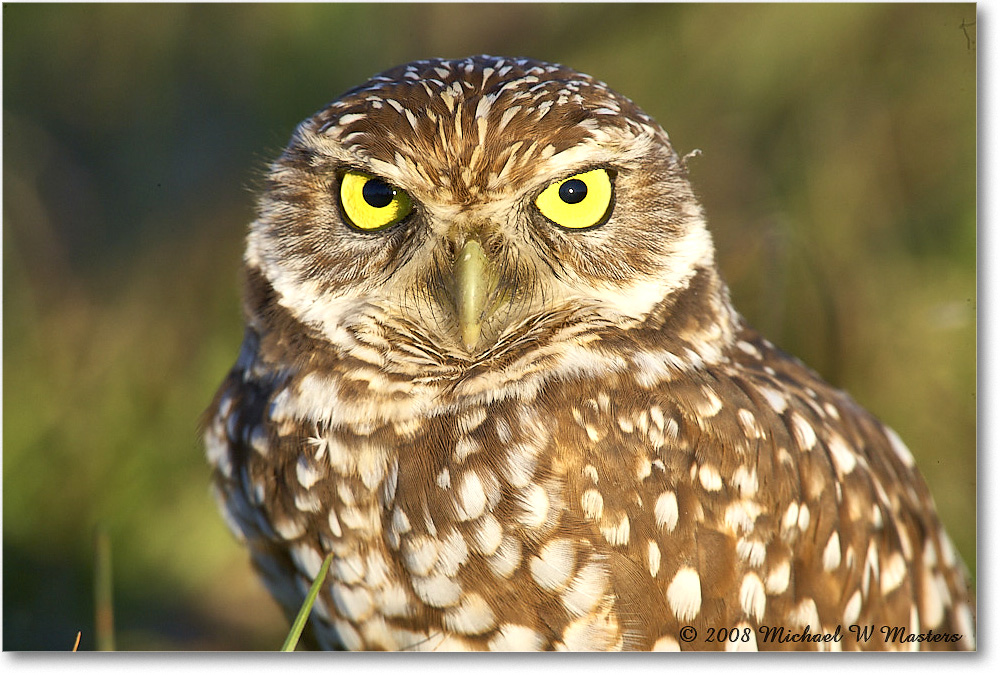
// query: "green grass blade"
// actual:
[[300, 621]]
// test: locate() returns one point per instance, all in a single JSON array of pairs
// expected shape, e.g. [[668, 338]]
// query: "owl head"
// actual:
[[479, 207]]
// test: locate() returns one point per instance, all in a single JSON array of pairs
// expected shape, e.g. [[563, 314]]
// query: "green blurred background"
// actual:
[[838, 172]]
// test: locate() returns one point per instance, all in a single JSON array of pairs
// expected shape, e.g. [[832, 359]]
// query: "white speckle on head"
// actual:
[[893, 573], [553, 565], [684, 594], [852, 610], [752, 597], [586, 590], [842, 455], [665, 511], [507, 557], [592, 504], [472, 617], [653, 558], [437, 590], [513, 638], [443, 479], [899, 447], [535, 504], [666, 643], [805, 435], [778, 578], [710, 478], [617, 534], [831, 554], [591, 472]]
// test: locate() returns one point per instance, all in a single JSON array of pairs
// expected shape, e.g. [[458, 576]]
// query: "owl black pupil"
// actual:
[[573, 191], [378, 194]]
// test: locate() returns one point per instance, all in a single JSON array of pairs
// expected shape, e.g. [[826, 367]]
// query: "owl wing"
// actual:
[[251, 465], [752, 496]]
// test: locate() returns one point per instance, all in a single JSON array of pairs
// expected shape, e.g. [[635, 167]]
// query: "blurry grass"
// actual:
[[838, 174]]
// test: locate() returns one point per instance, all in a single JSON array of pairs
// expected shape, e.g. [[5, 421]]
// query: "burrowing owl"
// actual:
[[491, 366]]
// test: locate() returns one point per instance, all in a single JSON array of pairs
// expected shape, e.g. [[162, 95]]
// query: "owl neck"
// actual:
[[692, 328]]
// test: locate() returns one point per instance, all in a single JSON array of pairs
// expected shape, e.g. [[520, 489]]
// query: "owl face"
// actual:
[[470, 215]]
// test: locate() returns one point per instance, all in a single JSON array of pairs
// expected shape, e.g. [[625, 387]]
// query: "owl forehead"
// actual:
[[479, 126]]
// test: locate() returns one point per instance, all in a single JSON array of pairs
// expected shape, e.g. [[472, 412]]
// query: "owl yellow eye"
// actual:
[[580, 201], [370, 203]]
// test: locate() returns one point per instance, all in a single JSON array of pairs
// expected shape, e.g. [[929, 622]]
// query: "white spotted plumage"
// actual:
[[600, 454]]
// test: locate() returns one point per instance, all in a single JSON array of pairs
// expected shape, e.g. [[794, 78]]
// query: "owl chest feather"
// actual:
[[528, 520]]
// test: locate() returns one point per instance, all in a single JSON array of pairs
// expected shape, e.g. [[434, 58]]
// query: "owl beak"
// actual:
[[474, 283]]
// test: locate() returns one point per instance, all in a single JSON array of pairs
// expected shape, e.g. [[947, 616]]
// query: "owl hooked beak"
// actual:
[[474, 282]]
